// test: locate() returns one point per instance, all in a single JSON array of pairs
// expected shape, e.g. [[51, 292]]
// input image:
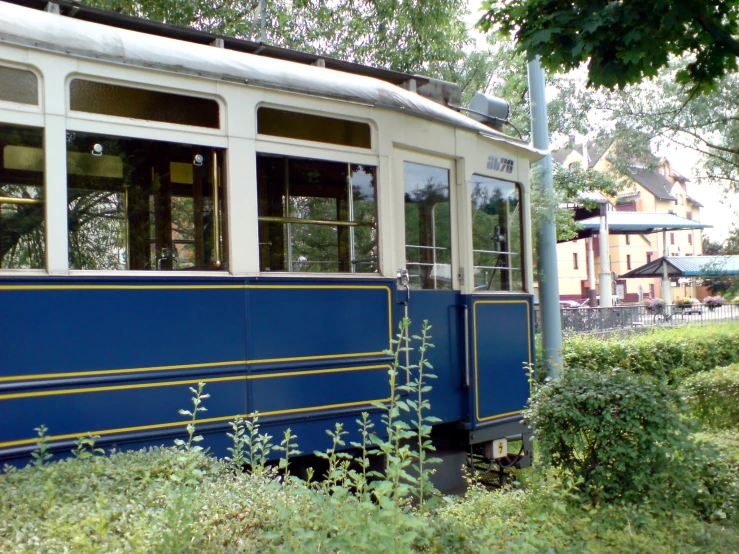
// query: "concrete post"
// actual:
[[592, 293], [666, 288], [605, 259]]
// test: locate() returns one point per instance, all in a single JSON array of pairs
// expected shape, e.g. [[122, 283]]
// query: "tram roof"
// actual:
[[107, 36]]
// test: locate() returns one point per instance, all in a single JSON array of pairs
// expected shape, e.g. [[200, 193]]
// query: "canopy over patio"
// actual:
[[687, 266], [639, 223]]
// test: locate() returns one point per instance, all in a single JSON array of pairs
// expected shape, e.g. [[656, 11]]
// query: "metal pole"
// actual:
[[605, 259], [592, 301], [666, 290], [551, 323], [263, 20]]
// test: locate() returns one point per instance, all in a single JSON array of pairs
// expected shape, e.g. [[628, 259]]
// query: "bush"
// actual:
[[713, 396], [615, 432], [673, 353]]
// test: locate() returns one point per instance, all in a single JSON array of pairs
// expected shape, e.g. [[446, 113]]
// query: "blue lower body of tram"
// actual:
[[116, 357]]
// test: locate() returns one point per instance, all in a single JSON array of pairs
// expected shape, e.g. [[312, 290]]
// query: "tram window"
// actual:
[[137, 103], [145, 205], [427, 226], [22, 229], [303, 126], [496, 235], [18, 85], [316, 216]]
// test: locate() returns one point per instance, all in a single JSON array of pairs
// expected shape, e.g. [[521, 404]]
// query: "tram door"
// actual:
[[498, 322], [428, 252]]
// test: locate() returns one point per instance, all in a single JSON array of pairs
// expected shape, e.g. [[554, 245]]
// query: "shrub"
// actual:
[[655, 304], [713, 301], [673, 353], [713, 396], [615, 432], [710, 475]]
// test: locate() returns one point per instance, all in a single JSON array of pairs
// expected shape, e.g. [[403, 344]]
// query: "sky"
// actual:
[[719, 210]]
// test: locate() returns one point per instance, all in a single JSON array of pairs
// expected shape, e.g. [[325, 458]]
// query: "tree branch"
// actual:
[[713, 28]]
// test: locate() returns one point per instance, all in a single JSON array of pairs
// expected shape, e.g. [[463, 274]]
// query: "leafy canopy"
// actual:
[[407, 36], [625, 41]]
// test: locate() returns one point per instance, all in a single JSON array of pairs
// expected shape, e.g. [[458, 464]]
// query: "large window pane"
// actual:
[[303, 126], [22, 233], [137, 103], [496, 235], [316, 216], [145, 205], [18, 85], [427, 226]]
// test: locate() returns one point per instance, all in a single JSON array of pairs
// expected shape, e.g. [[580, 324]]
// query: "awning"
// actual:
[[640, 223], [688, 266]]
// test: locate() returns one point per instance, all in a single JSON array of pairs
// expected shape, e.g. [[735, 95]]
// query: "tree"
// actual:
[[711, 248], [408, 36], [707, 124], [624, 41]]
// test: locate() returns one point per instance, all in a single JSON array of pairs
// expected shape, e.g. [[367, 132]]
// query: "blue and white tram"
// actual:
[[173, 211]]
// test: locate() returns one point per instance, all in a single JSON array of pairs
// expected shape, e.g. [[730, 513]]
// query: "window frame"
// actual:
[[12, 108], [88, 123], [335, 274], [264, 140], [155, 126], [326, 152], [45, 269], [223, 220], [523, 222], [396, 228]]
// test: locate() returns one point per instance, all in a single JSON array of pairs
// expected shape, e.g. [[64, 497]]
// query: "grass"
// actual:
[[129, 501], [181, 499]]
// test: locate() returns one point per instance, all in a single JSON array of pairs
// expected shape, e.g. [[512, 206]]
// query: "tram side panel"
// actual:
[[442, 310], [117, 358], [316, 354], [501, 347]]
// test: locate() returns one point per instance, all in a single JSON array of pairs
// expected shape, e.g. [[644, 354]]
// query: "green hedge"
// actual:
[[673, 353], [713, 396], [616, 432]]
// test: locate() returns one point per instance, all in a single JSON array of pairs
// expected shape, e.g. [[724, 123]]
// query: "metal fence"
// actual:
[[599, 320]]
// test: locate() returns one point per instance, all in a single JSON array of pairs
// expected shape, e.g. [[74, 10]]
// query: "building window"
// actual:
[[574, 260], [316, 216], [18, 85], [145, 205], [672, 238], [628, 239], [651, 290], [138, 103], [22, 215], [317, 128], [690, 239], [496, 235], [649, 257], [628, 261]]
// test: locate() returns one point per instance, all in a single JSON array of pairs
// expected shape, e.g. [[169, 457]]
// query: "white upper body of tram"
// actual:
[[78, 85]]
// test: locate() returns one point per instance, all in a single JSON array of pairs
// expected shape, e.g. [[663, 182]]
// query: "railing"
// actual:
[[600, 320]]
